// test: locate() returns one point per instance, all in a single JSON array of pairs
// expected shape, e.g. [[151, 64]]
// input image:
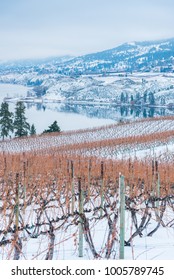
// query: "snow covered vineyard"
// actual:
[[114, 141], [60, 199]]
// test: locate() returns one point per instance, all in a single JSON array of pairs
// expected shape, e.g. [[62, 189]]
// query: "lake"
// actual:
[[75, 116], [44, 114]]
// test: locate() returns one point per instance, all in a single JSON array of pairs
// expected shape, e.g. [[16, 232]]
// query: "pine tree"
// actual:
[[151, 98], [52, 128], [6, 120], [145, 97], [122, 98], [21, 125], [32, 130]]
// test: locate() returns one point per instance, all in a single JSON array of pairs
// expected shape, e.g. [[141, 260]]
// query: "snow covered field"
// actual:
[[108, 149], [37, 240], [158, 247], [42, 215]]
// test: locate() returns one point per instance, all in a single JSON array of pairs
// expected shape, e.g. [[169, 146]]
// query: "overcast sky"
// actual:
[[42, 28]]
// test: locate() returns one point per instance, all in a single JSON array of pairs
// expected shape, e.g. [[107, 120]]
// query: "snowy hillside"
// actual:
[[138, 69], [135, 56], [123, 139], [120, 89]]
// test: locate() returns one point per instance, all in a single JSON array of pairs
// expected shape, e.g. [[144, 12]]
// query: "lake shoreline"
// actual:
[[83, 102]]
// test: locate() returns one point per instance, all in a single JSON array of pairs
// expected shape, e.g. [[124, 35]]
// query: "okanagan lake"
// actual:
[[44, 114], [74, 116]]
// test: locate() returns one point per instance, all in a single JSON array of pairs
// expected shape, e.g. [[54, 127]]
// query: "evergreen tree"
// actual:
[[127, 98], [32, 130], [21, 125], [122, 98], [151, 98], [137, 97], [52, 128], [144, 113], [6, 120], [145, 97]]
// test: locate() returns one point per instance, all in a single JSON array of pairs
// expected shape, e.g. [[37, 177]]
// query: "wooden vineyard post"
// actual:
[[72, 187], [102, 188], [81, 198], [17, 203], [153, 178], [158, 191], [89, 178], [16, 235], [24, 196], [157, 185], [122, 215]]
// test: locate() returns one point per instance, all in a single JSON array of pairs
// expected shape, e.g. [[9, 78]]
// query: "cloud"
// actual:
[[56, 26]]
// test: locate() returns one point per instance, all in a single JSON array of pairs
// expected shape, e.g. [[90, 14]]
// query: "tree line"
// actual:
[[139, 99], [17, 122]]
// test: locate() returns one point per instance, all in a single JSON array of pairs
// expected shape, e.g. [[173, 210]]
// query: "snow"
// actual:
[[160, 246], [98, 87], [117, 131], [11, 90], [104, 89]]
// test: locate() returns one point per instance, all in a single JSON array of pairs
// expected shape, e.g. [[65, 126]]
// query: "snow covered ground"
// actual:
[[107, 150], [98, 88], [41, 222], [159, 246]]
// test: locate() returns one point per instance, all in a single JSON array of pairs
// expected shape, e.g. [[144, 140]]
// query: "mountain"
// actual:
[[34, 64], [137, 71], [135, 56], [147, 56]]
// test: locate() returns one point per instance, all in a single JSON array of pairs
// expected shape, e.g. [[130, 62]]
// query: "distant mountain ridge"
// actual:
[[111, 76], [143, 56]]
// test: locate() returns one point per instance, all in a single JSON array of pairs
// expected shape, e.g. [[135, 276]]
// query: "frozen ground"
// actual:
[[158, 247]]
